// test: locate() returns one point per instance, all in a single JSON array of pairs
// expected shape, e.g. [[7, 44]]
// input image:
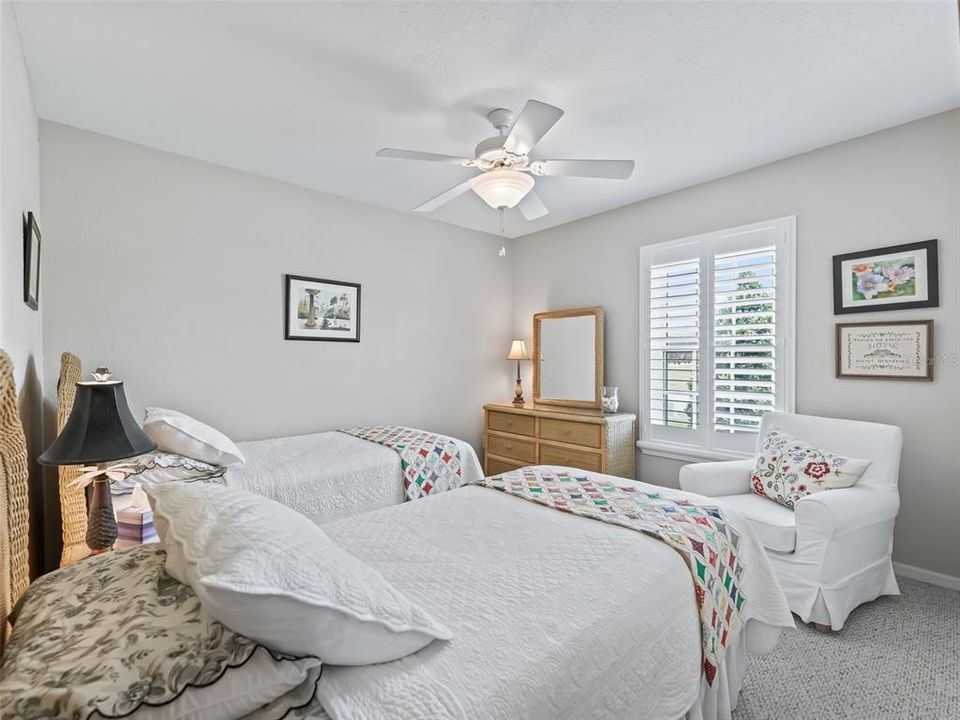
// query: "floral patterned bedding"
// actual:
[[108, 635]]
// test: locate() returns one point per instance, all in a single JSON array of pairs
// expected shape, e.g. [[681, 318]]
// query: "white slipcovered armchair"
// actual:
[[833, 551]]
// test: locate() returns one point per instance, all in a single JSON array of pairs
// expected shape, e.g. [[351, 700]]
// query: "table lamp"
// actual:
[[518, 352], [100, 430]]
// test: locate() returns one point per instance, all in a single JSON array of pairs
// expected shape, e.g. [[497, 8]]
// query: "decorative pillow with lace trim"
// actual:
[[161, 467], [115, 634], [788, 469]]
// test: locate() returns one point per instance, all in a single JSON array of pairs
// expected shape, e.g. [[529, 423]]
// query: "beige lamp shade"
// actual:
[[518, 351]]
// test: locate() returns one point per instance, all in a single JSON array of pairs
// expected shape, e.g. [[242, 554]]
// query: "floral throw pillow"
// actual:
[[788, 469]]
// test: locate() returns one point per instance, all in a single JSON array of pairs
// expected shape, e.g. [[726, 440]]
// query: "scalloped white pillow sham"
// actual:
[[267, 572]]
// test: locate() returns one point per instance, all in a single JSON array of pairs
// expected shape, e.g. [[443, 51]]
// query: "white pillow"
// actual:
[[175, 432], [267, 572]]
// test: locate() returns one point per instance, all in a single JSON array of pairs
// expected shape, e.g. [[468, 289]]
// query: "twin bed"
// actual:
[[551, 615], [330, 475]]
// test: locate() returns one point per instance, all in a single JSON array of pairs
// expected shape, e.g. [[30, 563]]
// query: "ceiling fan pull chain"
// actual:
[[500, 210]]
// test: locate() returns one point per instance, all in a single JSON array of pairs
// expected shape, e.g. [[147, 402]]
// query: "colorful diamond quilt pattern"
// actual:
[[699, 533], [429, 463]]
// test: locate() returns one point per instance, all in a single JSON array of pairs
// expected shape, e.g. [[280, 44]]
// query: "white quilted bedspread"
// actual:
[[329, 475], [553, 616]]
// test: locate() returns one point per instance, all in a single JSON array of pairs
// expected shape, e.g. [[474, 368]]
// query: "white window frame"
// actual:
[[702, 443]]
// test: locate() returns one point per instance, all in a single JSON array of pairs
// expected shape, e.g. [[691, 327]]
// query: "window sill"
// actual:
[[688, 453]]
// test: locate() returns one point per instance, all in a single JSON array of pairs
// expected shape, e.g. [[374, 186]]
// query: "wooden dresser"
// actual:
[[515, 436]]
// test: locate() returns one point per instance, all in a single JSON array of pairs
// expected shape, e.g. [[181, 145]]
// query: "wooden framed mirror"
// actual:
[[568, 357]]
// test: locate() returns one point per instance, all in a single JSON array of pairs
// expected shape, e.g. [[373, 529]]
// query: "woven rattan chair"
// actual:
[[73, 503], [14, 504]]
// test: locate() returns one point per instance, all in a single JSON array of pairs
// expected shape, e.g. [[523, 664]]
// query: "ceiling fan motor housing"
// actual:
[[491, 149]]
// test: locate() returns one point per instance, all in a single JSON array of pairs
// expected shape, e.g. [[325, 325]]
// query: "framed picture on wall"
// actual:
[[31, 261], [898, 277], [892, 351], [317, 309]]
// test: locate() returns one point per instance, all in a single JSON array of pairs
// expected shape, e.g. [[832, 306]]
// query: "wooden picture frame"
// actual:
[[887, 278], [320, 310], [538, 318], [31, 261], [885, 350]]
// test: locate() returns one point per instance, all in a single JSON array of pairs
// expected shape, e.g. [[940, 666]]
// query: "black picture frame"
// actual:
[[932, 278], [291, 333], [31, 261]]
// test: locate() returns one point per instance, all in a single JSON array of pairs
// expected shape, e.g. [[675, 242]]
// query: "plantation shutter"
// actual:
[[744, 338], [674, 344], [717, 335]]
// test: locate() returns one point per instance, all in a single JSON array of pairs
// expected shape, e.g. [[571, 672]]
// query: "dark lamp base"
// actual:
[[101, 520]]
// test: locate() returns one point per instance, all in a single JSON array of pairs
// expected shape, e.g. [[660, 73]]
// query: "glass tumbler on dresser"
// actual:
[[610, 401]]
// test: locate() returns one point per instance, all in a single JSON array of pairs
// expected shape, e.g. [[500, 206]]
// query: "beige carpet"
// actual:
[[897, 658]]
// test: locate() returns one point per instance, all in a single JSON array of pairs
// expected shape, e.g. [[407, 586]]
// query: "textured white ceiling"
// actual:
[[307, 92]]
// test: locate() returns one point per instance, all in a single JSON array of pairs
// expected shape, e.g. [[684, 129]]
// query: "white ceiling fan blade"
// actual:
[[444, 197], [532, 206], [534, 121], [417, 155], [612, 169]]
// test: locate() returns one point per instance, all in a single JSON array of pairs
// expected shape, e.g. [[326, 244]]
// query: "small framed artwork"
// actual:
[[898, 277], [31, 261], [317, 309], [892, 351]]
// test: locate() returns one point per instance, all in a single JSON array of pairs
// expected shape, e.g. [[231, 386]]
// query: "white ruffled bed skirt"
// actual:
[[718, 702]]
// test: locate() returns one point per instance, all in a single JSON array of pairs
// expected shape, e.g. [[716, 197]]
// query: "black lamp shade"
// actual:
[[100, 428]]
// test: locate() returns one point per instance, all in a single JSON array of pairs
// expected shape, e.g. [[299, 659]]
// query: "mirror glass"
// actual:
[[567, 357]]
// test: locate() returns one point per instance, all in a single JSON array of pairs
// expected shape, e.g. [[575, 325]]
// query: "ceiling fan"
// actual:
[[507, 172]]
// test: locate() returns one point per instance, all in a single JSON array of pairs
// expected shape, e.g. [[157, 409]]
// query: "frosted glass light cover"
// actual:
[[502, 188]]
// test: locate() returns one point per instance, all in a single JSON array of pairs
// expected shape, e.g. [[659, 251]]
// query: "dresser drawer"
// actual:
[[505, 422], [523, 450], [575, 433], [495, 467], [550, 455]]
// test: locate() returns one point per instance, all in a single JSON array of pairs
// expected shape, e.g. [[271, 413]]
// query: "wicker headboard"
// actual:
[[14, 501], [73, 504]]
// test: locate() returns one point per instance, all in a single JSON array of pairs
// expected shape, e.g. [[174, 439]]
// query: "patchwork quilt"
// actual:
[[699, 533], [430, 463]]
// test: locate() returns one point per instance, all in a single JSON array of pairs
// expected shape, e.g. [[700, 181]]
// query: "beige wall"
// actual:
[[896, 186], [170, 271], [20, 329]]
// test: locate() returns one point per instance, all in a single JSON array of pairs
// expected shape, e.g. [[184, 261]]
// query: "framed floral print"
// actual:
[[898, 277], [316, 309], [892, 351]]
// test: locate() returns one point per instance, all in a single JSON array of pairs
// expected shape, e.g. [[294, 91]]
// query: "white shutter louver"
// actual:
[[674, 344], [744, 339]]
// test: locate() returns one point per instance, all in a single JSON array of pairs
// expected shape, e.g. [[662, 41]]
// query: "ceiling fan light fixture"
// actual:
[[502, 188]]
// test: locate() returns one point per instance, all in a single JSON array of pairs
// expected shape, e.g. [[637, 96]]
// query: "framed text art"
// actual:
[[892, 351]]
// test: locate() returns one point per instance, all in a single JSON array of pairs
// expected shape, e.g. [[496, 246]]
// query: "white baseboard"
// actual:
[[928, 576]]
